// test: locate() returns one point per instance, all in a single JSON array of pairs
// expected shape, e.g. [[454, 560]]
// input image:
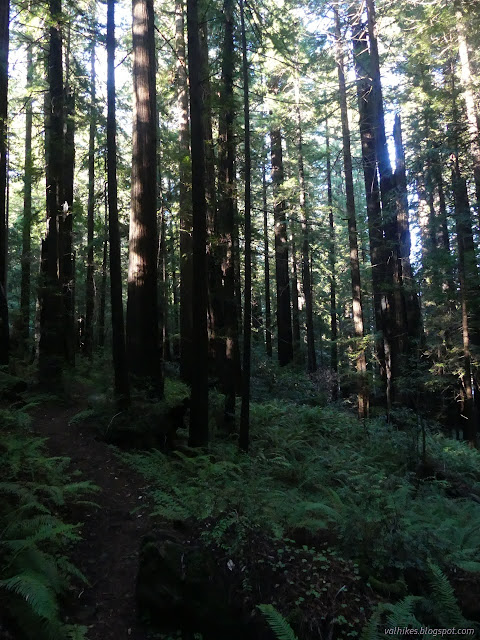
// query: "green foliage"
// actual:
[[34, 570], [277, 623], [436, 609]]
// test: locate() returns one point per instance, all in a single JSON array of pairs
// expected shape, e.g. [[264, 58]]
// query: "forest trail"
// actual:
[[111, 534]]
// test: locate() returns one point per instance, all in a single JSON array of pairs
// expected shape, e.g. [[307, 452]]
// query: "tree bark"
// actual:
[[294, 286], [25, 286], [185, 200], [333, 278], [52, 330], [198, 432], [306, 275], [412, 305], [103, 281], [90, 283], [226, 222], [247, 313], [363, 399], [266, 257], [472, 114], [67, 256], [122, 390], [372, 192], [468, 277], [4, 44], [143, 348], [284, 317]]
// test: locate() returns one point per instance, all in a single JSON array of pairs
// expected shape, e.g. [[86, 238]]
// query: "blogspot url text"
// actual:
[[423, 631]]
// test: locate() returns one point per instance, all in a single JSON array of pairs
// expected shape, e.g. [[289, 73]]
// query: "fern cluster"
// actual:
[[34, 568], [438, 609], [318, 469]]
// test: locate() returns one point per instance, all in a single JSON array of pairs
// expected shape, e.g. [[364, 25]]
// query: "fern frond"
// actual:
[[444, 601], [33, 589], [402, 613], [277, 622]]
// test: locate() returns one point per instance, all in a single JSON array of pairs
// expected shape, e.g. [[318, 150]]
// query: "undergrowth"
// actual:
[[35, 572], [318, 470]]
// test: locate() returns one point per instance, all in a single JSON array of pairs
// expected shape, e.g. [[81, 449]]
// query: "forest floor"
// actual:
[[112, 531]]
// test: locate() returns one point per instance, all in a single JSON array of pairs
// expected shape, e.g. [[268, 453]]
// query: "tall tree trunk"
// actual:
[[52, 330], [143, 348], [103, 281], [333, 279], [226, 220], [67, 256], [306, 276], [185, 200], [247, 314], [472, 114], [122, 391], [268, 304], [294, 286], [395, 326], [215, 314], [374, 211], [412, 304], [198, 433], [468, 278], [363, 399], [4, 43], [284, 317], [90, 283], [25, 286]]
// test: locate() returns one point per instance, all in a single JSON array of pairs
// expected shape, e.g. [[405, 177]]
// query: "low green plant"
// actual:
[[35, 571]]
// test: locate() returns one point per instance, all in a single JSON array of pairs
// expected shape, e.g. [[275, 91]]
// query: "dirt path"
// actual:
[[108, 552]]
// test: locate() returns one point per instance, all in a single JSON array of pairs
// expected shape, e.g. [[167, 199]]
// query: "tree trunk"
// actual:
[[185, 200], [306, 276], [363, 399], [333, 279], [52, 329], [468, 285], [268, 307], [25, 286], [395, 326], [4, 43], [90, 283], [67, 256], [247, 313], [122, 391], [284, 317], [215, 315], [198, 433], [412, 304], [472, 115], [143, 349], [103, 281], [294, 286], [226, 222], [374, 211]]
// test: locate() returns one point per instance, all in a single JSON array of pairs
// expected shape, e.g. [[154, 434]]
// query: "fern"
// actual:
[[33, 589], [277, 622], [443, 599]]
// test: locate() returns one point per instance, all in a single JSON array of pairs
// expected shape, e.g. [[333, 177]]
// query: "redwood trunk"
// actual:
[[284, 317], [363, 399], [4, 42], [90, 284], [122, 392], [143, 349], [185, 200], [25, 287], [198, 433]]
